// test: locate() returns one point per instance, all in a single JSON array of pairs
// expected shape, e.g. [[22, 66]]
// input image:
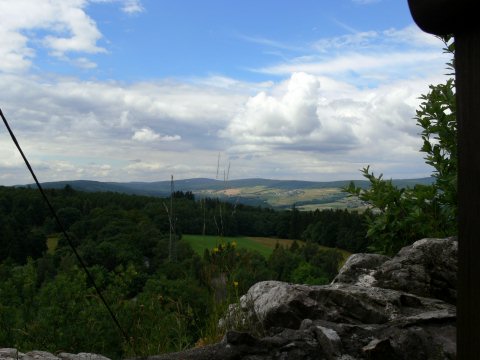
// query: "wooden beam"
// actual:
[[444, 17], [467, 60], [457, 17], [432, 16]]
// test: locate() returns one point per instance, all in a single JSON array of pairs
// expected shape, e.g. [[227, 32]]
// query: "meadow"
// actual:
[[262, 245]]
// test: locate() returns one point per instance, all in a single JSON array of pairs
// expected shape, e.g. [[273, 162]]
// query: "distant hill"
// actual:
[[280, 194]]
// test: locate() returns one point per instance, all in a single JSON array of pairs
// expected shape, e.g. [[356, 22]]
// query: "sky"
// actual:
[[139, 90]]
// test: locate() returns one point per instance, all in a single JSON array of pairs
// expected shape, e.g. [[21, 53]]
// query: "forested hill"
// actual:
[[306, 195], [163, 292]]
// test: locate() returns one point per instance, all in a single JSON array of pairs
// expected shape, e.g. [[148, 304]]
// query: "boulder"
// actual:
[[359, 269], [344, 321], [427, 268], [14, 354], [279, 304]]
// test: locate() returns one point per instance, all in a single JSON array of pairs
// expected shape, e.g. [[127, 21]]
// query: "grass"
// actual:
[[52, 243], [272, 242], [263, 245], [199, 243]]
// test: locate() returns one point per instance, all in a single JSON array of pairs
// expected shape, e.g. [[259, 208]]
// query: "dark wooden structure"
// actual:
[[457, 17]]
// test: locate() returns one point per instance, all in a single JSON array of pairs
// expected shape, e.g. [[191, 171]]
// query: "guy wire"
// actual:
[[63, 231]]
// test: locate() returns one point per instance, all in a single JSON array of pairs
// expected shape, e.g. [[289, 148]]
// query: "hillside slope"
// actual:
[[279, 194]]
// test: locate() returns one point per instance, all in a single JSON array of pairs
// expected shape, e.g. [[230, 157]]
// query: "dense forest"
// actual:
[[166, 297]]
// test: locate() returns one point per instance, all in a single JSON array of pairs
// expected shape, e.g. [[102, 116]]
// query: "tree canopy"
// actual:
[[404, 215]]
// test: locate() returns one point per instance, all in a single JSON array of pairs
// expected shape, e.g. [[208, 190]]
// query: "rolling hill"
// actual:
[[278, 194]]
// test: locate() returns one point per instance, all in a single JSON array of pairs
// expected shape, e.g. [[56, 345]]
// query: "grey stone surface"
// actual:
[[427, 268], [14, 354], [279, 304], [359, 269]]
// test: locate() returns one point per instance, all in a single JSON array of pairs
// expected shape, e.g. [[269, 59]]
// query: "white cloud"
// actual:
[[316, 125], [15, 55], [145, 134], [368, 58], [170, 138], [74, 30], [60, 26], [355, 62], [411, 36], [346, 103], [132, 6], [308, 126], [61, 121], [127, 6], [279, 120], [148, 135], [356, 40], [388, 40], [145, 166], [269, 42], [83, 63]]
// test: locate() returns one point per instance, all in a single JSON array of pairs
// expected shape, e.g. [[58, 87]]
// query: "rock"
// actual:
[[379, 349], [289, 344], [427, 268], [358, 321], [81, 356], [39, 355], [10, 354], [329, 340], [14, 354], [359, 269], [279, 304]]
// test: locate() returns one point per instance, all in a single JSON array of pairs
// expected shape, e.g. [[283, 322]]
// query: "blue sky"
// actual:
[[137, 90]]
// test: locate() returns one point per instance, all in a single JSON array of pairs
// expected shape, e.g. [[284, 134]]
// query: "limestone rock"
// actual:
[[14, 354], [81, 356], [359, 269], [279, 304], [427, 268], [10, 354]]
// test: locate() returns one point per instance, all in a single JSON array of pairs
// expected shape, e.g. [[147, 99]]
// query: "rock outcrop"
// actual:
[[427, 268], [14, 354], [376, 308], [359, 269]]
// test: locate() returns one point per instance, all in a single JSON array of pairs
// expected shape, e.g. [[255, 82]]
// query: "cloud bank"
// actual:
[[344, 103]]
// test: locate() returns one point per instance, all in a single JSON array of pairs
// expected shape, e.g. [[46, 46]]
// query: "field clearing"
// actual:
[[272, 242], [319, 198], [52, 243], [200, 242], [263, 245], [286, 198]]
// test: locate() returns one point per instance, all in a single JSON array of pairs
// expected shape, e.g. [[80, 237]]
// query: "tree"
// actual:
[[408, 214]]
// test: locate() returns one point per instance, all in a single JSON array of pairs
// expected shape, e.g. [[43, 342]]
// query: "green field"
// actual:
[[52, 243], [263, 245], [199, 243]]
